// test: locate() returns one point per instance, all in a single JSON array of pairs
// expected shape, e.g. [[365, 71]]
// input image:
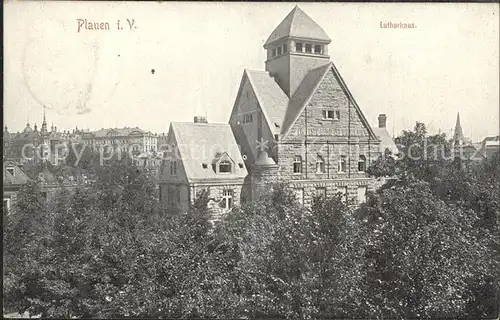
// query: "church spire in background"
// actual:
[[44, 123], [458, 135]]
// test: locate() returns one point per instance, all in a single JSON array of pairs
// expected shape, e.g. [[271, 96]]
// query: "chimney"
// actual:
[[382, 118], [200, 119]]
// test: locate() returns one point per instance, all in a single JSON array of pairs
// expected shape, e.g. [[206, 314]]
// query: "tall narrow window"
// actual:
[[343, 193], [308, 47], [227, 199], [336, 115], [279, 50], [173, 168], [298, 47], [225, 166], [342, 164], [317, 49], [285, 48], [297, 164], [361, 194], [362, 163], [320, 164]]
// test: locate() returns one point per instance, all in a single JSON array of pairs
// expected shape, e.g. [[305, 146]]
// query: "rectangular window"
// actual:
[[337, 115], [321, 192], [298, 47], [279, 51], [227, 198], [308, 47], [329, 114], [317, 49], [274, 52], [362, 163], [297, 164], [320, 165], [361, 194], [247, 118], [225, 166], [285, 48], [343, 192]]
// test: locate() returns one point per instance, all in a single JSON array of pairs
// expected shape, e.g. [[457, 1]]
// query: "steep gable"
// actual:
[[271, 100], [323, 88]]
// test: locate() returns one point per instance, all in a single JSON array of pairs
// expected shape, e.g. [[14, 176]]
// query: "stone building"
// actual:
[[122, 139], [296, 122], [301, 112], [202, 156]]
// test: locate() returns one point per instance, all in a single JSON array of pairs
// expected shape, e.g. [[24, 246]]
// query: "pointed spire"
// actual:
[[458, 136], [44, 123]]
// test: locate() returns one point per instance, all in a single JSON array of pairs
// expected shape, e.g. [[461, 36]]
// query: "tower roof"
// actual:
[[298, 24], [458, 135]]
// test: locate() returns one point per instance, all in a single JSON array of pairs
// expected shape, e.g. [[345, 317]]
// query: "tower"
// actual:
[[296, 46], [44, 130], [458, 135], [264, 174]]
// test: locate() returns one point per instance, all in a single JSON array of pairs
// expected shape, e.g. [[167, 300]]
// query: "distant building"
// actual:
[[490, 146], [125, 140], [463, 148], [14, 178], [149, 161]]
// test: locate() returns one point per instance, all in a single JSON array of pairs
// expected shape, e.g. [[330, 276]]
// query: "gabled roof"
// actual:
[[303, 93], [19, 177], [386, 142], [306, 90], [272, 100], [201, 143], [298, 24]]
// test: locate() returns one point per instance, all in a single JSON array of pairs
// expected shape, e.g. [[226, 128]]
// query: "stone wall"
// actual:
[[262, 177]]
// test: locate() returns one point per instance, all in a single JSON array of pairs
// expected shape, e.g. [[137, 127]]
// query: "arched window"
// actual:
[[362, 163], [320, 164], [297, 164], [342, 164]]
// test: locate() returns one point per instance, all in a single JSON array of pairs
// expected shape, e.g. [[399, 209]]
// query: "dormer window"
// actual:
[[225, 166], [10, 170]]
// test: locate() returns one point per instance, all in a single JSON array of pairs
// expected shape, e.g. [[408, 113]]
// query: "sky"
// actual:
[[99, 79]]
